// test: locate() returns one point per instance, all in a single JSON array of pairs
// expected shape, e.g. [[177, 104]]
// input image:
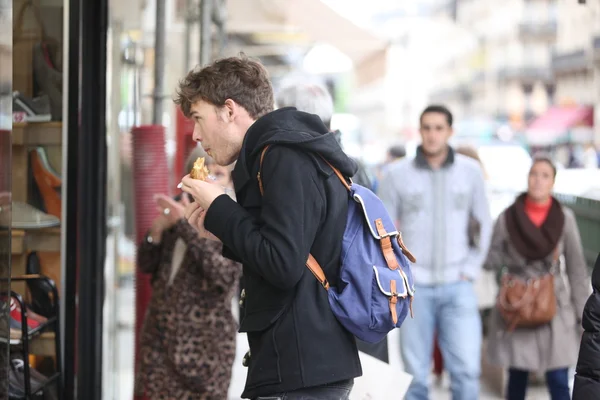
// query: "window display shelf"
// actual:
[[35, 240], [37, 134], [43, 345]]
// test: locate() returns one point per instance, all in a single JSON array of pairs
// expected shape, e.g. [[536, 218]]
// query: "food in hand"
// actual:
[[199, 170]]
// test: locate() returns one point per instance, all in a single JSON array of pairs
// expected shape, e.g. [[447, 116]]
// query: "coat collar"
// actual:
[[421, 161]]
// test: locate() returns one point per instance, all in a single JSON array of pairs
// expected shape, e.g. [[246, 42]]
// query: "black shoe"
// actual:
[[16, 378]]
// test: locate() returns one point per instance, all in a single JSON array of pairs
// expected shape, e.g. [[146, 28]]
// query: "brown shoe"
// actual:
[[47, 180]]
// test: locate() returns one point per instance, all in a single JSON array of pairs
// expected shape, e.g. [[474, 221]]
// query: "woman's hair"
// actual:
[[198, 151], [543, 158]]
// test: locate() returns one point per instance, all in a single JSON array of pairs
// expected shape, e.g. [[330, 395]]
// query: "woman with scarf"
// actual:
[[533, 237]]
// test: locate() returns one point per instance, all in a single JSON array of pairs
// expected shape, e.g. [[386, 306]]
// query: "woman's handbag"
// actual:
[[528, 303]]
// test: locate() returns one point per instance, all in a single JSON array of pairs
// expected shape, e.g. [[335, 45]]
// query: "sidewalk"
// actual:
[[438, 393], [123, 375]]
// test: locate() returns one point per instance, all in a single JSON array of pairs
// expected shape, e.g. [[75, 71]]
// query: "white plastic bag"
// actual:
[[380, 381]]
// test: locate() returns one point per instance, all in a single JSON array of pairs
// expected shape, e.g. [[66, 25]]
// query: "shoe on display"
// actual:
[[16, 325], [14, 330], [32, 322], [49, 79], [17, 377], [16, 385], [31, 110], [25, 216], [42, 301], [47, 182]]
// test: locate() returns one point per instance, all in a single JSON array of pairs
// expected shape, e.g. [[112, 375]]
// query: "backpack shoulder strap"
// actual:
[[312, 264], [259, 177]]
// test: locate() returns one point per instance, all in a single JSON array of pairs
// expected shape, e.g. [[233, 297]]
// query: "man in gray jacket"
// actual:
[[433, 198]]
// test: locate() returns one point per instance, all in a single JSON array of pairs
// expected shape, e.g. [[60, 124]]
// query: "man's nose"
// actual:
[[196, 135]]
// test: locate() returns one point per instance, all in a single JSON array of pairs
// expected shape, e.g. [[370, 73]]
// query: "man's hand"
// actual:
[[204, 193], [195, 216]]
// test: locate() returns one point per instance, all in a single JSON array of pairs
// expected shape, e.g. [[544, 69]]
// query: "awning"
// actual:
[[557, 122], [300, 22]]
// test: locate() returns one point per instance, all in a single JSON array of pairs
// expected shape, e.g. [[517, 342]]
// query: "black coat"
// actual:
[[587, 378], [295, 340]]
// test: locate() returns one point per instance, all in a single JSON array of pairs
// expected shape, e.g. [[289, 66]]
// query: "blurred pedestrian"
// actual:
[[395, 153], [474, 234], [587, 378], [537, 249], [316, 99], [433, 197], [189, 333]]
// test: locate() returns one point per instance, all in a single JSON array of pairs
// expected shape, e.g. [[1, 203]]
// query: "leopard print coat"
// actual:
[[187, 344]]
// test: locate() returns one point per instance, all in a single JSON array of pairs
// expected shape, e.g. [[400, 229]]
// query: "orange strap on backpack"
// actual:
[[312, 264]]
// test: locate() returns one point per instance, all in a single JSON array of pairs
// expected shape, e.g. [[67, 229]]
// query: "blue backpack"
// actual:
[[376, 288]]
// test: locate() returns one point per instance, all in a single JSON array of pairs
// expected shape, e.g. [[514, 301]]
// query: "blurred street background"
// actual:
[[519, 76]]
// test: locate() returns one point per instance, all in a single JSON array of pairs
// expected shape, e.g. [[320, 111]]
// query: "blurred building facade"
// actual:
[[523, 60], [506, 71], [521, 64]]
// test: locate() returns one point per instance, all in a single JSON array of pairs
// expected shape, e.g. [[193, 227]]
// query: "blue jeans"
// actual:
[[330, 391], [557, 381], [451, 310]]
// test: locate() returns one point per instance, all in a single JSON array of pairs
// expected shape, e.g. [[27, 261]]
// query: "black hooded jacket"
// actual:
[[295, 340], [587, 378]]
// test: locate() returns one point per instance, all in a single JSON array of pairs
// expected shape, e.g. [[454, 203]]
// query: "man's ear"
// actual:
[[230, 108]]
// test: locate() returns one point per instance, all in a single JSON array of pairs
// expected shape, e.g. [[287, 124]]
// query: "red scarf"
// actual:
[[537, 212]]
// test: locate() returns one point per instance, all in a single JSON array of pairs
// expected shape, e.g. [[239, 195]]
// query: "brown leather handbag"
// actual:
[[528, 303]]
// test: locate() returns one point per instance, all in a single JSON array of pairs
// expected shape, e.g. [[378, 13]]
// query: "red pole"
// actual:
[[151, 176]]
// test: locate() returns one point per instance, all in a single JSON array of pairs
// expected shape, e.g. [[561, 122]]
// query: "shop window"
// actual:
[[36, 202]]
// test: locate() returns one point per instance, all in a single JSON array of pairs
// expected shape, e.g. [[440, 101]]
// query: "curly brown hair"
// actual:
[[240, 79]]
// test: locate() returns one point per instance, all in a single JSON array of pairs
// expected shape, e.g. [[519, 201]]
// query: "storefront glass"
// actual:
[[5, 209], [130, 97], [123, 112]]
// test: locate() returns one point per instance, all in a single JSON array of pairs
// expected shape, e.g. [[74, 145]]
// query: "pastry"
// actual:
[[199, 170]]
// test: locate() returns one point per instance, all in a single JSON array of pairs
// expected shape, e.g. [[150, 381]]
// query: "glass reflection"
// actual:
[[5, 185]]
